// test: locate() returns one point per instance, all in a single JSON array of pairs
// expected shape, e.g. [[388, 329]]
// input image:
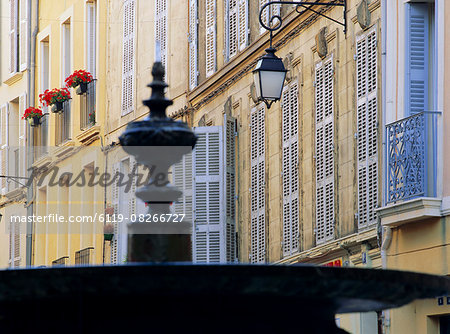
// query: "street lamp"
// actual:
[[270, 73]]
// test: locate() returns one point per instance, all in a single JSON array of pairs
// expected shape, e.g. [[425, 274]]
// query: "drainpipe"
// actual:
[[387, 231], [31, 97]]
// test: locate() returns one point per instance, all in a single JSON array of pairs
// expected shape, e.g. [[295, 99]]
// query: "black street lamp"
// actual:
[[270, 73]]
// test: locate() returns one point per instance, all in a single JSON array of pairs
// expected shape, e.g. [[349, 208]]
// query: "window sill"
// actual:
[[13, 78], [89, 135], [42, 162], [65, 148], [410, 211]]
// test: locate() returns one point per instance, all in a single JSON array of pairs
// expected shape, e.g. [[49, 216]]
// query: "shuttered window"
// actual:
[[23, 35], [13, 36], [182, 179], [3, 146], [14, 244], [91, 37], [417, 57], [161, 29], [210, 37], [236, 26], [22, 136], [268, 12], [208, 192], [129, 23], [258, 185], [367, 109], [324, 135], [290, 169], [193, 43]]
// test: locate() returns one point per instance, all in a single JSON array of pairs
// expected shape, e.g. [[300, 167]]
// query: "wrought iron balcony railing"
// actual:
[[88, 117], [411, 157], [63, 123]]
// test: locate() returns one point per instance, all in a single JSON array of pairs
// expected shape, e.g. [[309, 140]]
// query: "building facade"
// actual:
[[415, 209]]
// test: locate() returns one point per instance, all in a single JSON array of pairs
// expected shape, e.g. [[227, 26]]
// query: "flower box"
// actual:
[[55, 98], [33, 116], [57, 107], [34, 121], [82, 88]]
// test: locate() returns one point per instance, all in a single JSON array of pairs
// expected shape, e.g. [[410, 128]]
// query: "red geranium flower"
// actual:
[[50, 97], [31, 112], [78, 77]]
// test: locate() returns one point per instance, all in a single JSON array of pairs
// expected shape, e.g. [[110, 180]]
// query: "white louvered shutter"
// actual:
[[3, 147], [210, 37], [23, 36], [193, 43], [22, 136], [268, 12], [91, 37], [182, 179], [131, 194], [290, 170], [13, 31], [258, 183], [161, 29], [209, 238], [236, 26], [129, 18], [366, 81], [115, 204], [230, 179], [324, 101]]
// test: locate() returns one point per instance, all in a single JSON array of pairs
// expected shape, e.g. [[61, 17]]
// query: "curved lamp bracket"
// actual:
[[307, 5]]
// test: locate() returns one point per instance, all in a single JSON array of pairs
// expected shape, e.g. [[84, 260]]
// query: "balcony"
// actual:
[[411, 170], [63, 123], [88, 107]]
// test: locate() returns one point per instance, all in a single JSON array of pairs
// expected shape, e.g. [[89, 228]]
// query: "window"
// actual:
[[210, 37], [91, 37], [269, 11], [290, 169], [161, 29], [324, 134], [61, 262], [45, 84], [258, 184], [236, 26], [14, 244], [3, 146], [63, 119], [419, 57], [193, 46], [367, 109], [129, 18], [83, 257], [13, 36]]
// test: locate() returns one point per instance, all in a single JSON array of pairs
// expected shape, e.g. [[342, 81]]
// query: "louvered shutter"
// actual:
[[193, 46], [91, 37], [324, 102], [129, 18], [13, 31], [16, 239], [417, 62], [366, 80], [290, 169], [210, 37], [258, 182], [230, 175], [209, 238], [3, 147], [236, 26], [115, 204], [22, 135], [131, 194], [268, 12], [23, 35], [182, 179], [161, 29]]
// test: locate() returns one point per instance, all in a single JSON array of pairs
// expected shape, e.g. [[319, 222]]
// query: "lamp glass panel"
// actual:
[[257, 84], [272, 84]]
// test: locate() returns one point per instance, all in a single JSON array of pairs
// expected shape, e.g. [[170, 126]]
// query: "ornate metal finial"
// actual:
[[157, 102]]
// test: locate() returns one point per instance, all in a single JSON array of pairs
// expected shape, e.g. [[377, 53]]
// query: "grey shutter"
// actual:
[[210, 37], [230, 179], [193, 44], [324, 103], [236, 26], [115, 204], [258, 183], [161, 29], [290, 170], [129, 18], [209, 228], [182, 179], [367, 153]]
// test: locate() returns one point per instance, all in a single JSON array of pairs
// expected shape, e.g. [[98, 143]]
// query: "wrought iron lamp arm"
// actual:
[[272, 27]]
